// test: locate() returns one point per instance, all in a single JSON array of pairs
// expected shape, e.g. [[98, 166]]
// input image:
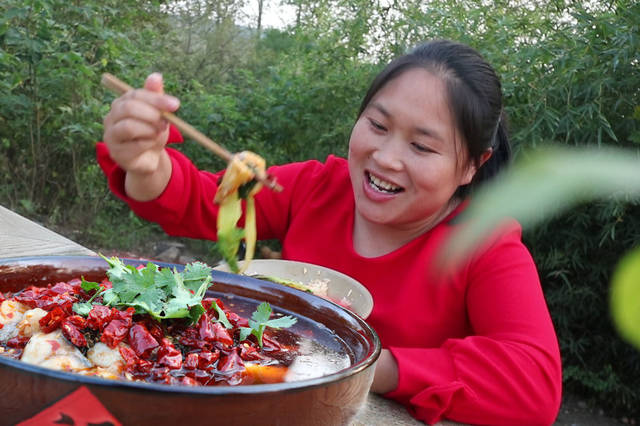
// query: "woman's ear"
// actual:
[[473, 168]]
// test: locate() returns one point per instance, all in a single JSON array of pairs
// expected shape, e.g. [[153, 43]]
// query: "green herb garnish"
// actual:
[[161, 293], [222, 317], [260, 320]]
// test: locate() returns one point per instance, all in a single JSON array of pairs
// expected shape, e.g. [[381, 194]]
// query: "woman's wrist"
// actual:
[[385, 378], [148, 186]]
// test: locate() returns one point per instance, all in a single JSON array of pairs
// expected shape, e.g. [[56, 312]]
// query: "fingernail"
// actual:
[[173, 103]]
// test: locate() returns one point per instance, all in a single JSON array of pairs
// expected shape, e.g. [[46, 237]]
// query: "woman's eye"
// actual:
[[421, 148], [377, 126]]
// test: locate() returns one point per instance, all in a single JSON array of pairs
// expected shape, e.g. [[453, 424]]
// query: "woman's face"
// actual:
[[405, 159]]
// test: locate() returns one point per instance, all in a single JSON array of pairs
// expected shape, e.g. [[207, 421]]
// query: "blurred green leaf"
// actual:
[[625, 297], [545, 183]]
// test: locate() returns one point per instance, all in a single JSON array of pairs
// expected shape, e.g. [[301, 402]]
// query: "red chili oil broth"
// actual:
[[320, 349]]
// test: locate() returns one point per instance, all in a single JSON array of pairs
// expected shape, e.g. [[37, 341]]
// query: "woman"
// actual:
[[472, 342]]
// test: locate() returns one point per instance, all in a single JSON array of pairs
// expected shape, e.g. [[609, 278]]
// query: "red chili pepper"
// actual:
[[222, 334], [28, 297], [129, 356], [98, 317], [191, 361], [231, 362], [199, 375], [126, 315], [169, 356], [269, 344], [72, 334], [141, 341], [144, 366], [18, 342], [52, 320], [61, 288], [160, 374], [114, 332], [188, 381], [76, 284], [236, 320], [206, 359], [250, 353], [155, 329], [78, 321], [205, 328]]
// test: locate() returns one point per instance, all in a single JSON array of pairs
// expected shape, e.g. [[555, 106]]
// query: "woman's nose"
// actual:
[[388, 155]]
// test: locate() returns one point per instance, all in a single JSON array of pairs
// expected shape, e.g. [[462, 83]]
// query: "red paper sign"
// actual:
[[79, 408]]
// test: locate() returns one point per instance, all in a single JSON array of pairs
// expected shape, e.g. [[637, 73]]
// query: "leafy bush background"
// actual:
[[571, 76]]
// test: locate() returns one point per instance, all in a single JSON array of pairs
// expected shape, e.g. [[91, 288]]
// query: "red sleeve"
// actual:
[[508, 371], [186, 208]]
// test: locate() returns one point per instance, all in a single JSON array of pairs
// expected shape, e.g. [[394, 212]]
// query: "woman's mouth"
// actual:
[[382, 185]]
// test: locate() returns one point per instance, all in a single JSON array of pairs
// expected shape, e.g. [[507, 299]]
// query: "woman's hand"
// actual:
[[385, 378], [136, 135]]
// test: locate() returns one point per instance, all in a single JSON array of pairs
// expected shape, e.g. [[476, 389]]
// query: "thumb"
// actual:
[[154, 83]]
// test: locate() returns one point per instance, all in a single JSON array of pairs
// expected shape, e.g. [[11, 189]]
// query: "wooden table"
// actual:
[[22, 237]]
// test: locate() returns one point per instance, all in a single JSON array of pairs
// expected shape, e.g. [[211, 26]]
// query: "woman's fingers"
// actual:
[[140, 156], [129, 129], [154, 83], [144, 103], [135, 111], [135, 130]]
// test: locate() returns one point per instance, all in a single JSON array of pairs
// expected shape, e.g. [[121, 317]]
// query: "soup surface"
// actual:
[[226, 345]]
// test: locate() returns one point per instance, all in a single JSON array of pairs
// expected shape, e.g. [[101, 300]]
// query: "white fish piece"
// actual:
[[52, 350], [104, 356], [11, 313], [30, 323], [9, 309]]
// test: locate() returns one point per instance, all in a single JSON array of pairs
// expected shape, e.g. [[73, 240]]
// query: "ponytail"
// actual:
[[500, 157]]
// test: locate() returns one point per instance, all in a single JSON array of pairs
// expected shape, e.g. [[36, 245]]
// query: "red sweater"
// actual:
[[474, 345]]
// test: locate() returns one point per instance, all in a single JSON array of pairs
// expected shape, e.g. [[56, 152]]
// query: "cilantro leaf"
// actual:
[[260, 320], [196, 275], [82, 308], [159, 292], [89, 285], [222, 318], [282, 322]]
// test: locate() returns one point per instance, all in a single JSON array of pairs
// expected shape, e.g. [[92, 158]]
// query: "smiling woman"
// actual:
[[404, 163], [471, 342]]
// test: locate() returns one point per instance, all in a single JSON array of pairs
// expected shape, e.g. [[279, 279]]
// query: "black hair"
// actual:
[[475, 99]]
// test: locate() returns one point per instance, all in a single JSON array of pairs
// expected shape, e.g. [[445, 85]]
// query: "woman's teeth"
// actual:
[[383, 186]]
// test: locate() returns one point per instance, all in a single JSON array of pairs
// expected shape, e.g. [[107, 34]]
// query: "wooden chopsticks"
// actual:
[[120, 87]]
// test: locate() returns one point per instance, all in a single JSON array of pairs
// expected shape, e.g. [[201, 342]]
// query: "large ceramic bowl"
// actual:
[[27, 390], [335, 285]]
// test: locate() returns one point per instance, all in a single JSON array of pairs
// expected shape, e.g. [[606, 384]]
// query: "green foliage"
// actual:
[[570, 76]]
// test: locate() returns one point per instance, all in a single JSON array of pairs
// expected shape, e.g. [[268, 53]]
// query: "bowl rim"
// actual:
[[355, 283], [229, 278]]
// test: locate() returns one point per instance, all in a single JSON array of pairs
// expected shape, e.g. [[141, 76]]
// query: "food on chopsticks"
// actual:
[[238, 183], [155, 325]]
